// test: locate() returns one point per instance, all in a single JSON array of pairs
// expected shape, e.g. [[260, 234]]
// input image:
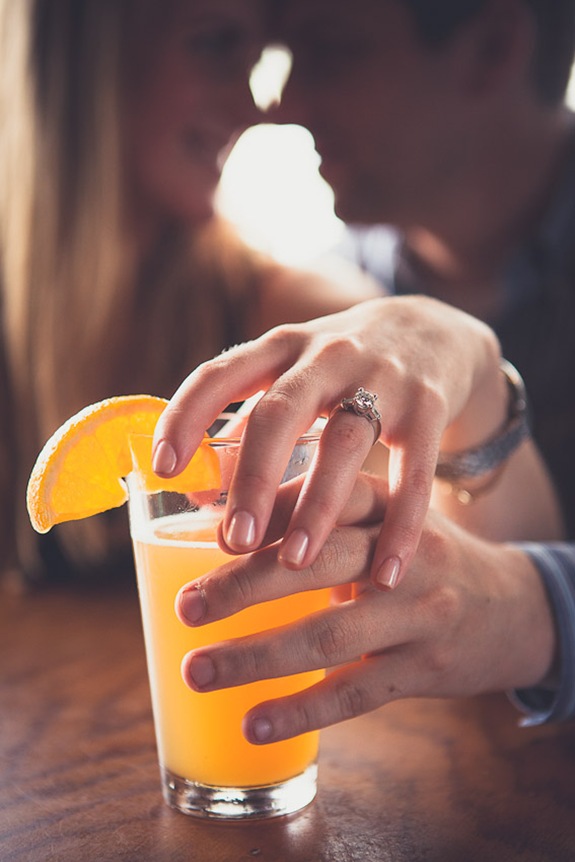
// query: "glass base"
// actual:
[[236, 803]]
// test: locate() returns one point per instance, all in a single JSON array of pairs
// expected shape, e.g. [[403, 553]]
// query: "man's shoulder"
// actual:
[[372, 248]]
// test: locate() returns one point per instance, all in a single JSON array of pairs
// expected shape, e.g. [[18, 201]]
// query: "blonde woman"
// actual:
[[115, 118]]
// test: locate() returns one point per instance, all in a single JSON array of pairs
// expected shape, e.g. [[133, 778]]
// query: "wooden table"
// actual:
[[417, 781]]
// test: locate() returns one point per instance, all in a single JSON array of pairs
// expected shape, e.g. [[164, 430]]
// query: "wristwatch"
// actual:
[[482, 459]]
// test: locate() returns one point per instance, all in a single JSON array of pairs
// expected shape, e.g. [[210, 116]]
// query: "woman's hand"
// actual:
[[429, 364], [471, 617]]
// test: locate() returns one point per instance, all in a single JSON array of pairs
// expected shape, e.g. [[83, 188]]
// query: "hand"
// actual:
[[429, 363], [471, 617]]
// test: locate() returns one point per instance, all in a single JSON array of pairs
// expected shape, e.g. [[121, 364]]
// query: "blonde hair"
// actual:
[[82, 317]]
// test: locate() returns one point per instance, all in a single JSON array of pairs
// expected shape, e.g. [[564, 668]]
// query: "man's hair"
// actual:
[[438, 20]]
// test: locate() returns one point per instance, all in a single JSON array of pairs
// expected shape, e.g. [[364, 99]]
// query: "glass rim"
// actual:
[[217, 442]]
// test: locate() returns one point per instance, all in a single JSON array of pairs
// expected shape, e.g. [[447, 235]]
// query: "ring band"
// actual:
[[362, 403]]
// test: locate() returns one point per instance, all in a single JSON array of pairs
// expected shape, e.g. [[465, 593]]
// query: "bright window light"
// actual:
[[272, 191], [269, 76], [571, 91], [271, 188]]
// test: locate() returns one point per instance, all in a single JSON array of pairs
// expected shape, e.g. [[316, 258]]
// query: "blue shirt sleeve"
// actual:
[[556, 565]]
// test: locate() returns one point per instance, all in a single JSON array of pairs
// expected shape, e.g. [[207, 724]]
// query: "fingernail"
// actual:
[[261, 729], [164, 458], [242, 530], [191, 604], [294, 549], [388, 573], [201, 670]]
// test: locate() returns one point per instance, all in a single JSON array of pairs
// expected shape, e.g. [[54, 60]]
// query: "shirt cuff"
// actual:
[[556, 565]]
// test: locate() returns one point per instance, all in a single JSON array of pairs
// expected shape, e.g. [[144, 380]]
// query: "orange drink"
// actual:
[[208, 767], [184, 717]]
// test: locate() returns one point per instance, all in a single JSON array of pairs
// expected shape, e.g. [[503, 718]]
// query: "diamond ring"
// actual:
[[362, 403]]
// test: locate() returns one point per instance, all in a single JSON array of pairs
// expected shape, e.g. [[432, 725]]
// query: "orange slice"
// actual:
[[201, 474], [79, 471]]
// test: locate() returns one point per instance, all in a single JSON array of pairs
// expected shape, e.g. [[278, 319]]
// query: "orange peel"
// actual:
[[80, 470]]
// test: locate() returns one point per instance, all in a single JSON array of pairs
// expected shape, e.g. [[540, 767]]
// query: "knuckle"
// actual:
[[208, 373], [324, 506], [428, 404], [329, 559], [247, 660], [303, 717], [332, 637], [337, 348], [342, 561], [280, 335], [326, 643], [433, 405], [406, 531], [440, 659], [232, 667], [253, 662], [205, 372], [444, 605], [276, 406], [352, 699], [253, 483], [430, 396], [233, 592]]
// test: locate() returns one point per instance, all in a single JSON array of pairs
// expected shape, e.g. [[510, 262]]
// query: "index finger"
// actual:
[[210, 388]]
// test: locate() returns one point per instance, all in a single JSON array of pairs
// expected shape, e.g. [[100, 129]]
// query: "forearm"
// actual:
[[520, 504]]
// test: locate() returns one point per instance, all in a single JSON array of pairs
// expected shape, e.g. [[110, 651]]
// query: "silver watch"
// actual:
[[471, 463]]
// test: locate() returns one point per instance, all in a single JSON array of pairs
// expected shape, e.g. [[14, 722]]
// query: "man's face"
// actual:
[[385, 111]]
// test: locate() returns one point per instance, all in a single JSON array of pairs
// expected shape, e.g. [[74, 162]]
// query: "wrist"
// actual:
[[528, 638], [552, 696], [474, 471]]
